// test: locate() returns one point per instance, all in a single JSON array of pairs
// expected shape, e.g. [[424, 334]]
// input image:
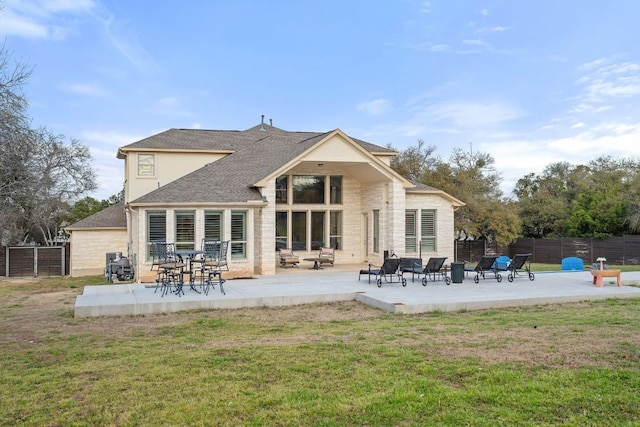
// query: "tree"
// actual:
[[472, 178], [415, 162], [40, 174], [600, 199]]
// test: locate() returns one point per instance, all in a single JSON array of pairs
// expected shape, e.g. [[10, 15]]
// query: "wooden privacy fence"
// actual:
[[623, 250], [34, 261]]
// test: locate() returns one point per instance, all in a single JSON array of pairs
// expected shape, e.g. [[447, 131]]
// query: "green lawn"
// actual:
[[323, 365]]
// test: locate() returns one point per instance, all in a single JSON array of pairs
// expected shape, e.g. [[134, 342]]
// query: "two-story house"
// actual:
[[262, 189]]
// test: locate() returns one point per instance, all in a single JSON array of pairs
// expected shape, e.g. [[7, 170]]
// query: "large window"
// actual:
[[185, 230], [213, 225], [308, 189], [299, 231], [281, 230], [238, 234], [146, 165], [335, 190], [428, 230], [410, 231], [317, 230], [335, 229], [156, 228], [282, 189]]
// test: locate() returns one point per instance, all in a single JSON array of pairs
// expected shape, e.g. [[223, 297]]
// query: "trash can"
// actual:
[[457, 272]]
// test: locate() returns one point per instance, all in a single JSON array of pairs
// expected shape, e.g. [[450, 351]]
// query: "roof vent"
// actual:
[[262, 124]]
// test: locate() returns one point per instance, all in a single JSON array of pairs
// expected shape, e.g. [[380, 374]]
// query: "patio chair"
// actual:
[[485, 264], [413, 266], [156, 256], [520, 262], [288, 258], [327, 255], [435, 268], [170, 269], [389, 268], [212, 263]]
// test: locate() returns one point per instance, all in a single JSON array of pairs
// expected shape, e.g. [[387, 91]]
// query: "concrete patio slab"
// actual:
[[303, 286]]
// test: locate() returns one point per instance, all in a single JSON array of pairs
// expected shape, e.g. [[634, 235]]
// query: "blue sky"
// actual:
[[529, 82]]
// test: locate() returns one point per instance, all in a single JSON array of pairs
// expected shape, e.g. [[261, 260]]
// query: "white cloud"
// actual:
[[41, 19], [440, 48], [484, 12], [87, 89], [426, 7], [17, 25], [603, 84], [475, 42], [375, 107], [472, 114]]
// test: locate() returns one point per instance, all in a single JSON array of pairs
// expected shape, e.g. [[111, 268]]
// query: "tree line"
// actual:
[[599, 199]]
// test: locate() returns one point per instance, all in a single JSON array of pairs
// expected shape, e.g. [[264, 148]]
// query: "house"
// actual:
[[265, 188], [93, 237]]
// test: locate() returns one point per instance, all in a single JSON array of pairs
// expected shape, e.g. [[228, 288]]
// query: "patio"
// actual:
[[340, 283]]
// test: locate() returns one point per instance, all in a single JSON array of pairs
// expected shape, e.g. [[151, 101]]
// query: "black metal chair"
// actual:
[[389, 268], [170, 269], [520, 262], [435, 269], [212, 263], [411, 265], [485, 264]]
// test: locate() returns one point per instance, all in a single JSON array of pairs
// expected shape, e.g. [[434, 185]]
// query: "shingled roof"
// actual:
[[110, 217], [255, 153]]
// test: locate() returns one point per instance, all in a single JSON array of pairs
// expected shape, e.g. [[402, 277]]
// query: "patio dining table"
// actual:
[[187, 255]]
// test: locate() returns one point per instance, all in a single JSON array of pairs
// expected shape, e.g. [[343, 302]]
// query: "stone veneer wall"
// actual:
[[89, 249], [444, 223]]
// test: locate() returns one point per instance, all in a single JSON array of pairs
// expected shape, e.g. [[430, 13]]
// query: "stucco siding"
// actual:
[[168, 167]]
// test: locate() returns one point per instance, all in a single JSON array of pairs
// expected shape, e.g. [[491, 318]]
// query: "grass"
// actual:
[[539, 267], [323, 365]]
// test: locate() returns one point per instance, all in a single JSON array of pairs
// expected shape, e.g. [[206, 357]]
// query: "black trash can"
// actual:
[[457, 272]]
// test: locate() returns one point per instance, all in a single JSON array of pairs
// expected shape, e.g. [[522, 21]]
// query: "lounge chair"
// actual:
[[390, 268], [327, 255], [485, 264], [288, 259], [435, 268], [413, 266], [520, 262]]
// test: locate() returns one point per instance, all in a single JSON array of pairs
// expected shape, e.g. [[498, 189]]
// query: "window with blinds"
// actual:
[[428, 230], [213, 225], [238, 234], [410, 231], [185, 230], [156, 228]]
